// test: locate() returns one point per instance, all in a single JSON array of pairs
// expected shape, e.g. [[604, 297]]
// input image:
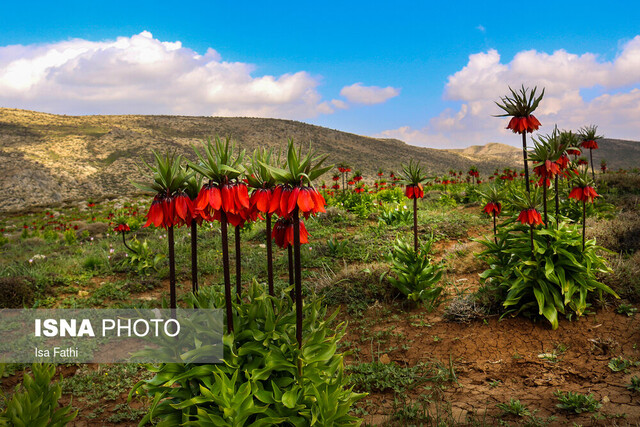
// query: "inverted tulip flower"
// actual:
[[223, 197], [264, 184], [414, 178], [583, 191], [192, 190], [521, 105], [527, 203], [122, 228], [493, 207], [297, 196], [169, 180], [589, 136]]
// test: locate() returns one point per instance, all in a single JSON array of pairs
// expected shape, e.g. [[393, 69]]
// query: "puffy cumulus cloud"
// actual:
[[140, 74], [615, 108], [359, 94]]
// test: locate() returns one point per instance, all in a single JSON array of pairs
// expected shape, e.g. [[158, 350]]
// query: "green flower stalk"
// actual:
[[169, 205], [301, 198], [520, 105], [588, 135], [413, 177], [263, 183], [222, 197]]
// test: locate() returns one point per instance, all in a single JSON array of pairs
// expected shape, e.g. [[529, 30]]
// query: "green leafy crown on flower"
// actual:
[[520, 199], [412, 173], [582, 179], [218, 162], [546, 147], [569, 141], [258, 174], [168, 174], [193, 184], [299, 169], [589, 133], [521, 103], [492, 194]]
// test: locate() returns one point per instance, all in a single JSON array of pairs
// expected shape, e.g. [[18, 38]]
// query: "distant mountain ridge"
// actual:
[[51, 159]]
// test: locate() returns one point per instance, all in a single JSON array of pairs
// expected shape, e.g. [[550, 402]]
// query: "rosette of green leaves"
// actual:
[[258, 174], [589, 133], [492, 194], [558, 278], [569, 141], [168, 174], [521, 103], [258, 383], [412, 173], [218, 163], [415, 276], [36, 404], [299, 169], [546, 147], [193, 185]]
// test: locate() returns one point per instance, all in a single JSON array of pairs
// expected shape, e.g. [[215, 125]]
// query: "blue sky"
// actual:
[[427, 73]]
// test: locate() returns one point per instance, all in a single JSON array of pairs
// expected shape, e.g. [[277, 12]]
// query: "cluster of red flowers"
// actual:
[[584, 194], [546, 171], [523, 124], [493, 207], [589, 144], [282, 232], [121, 228], [414, 191], [530, 216]]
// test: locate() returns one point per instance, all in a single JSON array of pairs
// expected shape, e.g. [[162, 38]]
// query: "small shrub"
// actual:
[[556, 278], [69, 237], [259, 383], [514, 407], [35, 402], [416, 277], [576, 402], [381, 377], [93, 263], [16, 292], [619, 364]]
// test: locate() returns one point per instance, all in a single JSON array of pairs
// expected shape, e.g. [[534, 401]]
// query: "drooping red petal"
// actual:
[[242, 196], [319, 201], [228, 202], [305, 201], [274, 203], [293, 199]]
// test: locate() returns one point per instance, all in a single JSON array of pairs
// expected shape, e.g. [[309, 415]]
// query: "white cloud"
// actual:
[[140, 74], [359, 94], [615, 108], [481, 28], [338, 103]]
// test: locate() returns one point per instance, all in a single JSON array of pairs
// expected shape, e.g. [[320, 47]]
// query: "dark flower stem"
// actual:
[[584, 222], [415, 224], [531, 234], [291, 278], [495, 229], [225, 270], [172, 270], [194, 256], [238, 265], [524, 155], [125, 243], [298, 275], [269, 257], [557, 203], [544, 200], [593, 174]]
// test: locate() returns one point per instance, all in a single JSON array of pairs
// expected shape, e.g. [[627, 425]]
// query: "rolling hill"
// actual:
[[52, 159]]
